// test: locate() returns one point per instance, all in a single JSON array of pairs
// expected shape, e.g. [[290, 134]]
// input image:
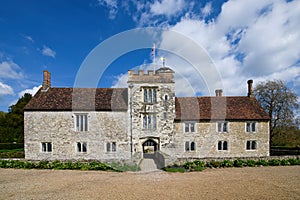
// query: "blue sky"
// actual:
[[257, 39]]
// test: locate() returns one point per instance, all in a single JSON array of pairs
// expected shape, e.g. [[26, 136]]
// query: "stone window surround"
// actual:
[[85, 120], [188, 146], [185, 123], [46, 147], [149, 94], [250, 130], [221, 147], [218, 123], [149, 121], [81, 147], [110, 147], [251, 145]]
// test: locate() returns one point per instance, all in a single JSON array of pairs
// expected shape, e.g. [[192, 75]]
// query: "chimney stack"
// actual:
[[46, 81], [250, 90], [219, 93]]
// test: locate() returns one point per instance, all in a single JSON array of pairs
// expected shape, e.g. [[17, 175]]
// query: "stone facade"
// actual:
[[149, 121], [58, 128]]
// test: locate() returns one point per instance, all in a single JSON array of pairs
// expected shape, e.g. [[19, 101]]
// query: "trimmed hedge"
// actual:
[[59, 165], [200, 165]]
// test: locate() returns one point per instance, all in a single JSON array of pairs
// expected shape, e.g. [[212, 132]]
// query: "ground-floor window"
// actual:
[[223, 145], [81, 147], [111, 147], [251, 145], [190, 146], [46, 147]]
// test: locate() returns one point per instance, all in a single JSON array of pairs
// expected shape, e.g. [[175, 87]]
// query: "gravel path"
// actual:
[[234, 183]]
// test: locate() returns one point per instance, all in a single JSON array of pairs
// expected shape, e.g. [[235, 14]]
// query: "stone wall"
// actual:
[[59, 129], [206, 138]]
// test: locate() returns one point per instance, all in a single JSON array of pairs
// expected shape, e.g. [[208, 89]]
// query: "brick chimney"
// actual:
[[250, 89], [219, 93], [46, 81]]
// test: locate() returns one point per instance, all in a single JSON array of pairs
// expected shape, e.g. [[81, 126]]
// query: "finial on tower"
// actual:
[[163, 59]]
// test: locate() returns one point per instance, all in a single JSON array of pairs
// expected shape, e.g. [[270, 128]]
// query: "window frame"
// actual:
[[251, 127], [190, 127], [251, 145], [190, 146], [222, 145], [149, 95], [81, 147], [220, 126], [111, 147], [46, 147], [149, 121], [81, 122]]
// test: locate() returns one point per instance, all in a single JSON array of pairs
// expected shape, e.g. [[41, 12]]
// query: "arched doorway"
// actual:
[[150, 146]]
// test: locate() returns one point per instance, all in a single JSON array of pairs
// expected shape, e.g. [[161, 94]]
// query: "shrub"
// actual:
[[284, 162], [274, 162], [199, 163], [251, 163], [189, 165], [262, 163], [215, 164], [227, 163], [239, 163], [294, 161]]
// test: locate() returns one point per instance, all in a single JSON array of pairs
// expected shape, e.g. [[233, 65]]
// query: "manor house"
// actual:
[[143, 120]]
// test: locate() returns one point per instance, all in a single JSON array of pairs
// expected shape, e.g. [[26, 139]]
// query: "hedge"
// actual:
[[198, 165]]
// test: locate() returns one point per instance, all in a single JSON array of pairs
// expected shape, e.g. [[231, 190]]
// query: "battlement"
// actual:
[[162, 75]]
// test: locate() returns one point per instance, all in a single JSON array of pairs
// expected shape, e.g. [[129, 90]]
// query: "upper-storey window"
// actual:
[[150, 95], [149, 121], [189, 127], [250, 127], [81, 122], [222, 127]]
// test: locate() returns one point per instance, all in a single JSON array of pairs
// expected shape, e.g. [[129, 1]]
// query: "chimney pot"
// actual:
[[46, 81], [250, 89], [219, 92]]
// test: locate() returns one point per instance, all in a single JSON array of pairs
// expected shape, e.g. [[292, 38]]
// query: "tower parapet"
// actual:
[[162, 75]]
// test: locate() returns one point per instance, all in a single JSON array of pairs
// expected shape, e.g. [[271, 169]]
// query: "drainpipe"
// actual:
[[130, 104]]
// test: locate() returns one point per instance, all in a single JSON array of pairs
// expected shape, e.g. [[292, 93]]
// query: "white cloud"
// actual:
[[10, 70], [5, 89], [207, 9], [31, 91], [46, 51], [257, 39], [29, 38], [167, 7], [120, 81], [266, 33], [112, 5]]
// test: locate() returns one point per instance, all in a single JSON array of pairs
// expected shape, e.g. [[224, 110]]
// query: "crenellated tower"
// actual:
[[151, 109]]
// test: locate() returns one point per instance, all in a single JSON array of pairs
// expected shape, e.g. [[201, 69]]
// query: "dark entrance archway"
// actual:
[[150, 147]]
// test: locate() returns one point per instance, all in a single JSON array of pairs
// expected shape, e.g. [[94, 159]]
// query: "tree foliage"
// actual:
[[12, 123], [279, 102]]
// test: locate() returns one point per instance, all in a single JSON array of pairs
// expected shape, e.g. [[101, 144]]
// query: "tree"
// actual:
[[12, 123], [279, 102]]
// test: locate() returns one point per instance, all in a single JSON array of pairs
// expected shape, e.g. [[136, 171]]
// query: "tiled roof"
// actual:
[[66, 99], [115, 99], [219, 108]]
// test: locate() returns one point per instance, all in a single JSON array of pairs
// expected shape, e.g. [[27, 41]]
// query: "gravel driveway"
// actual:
[[229, 183]]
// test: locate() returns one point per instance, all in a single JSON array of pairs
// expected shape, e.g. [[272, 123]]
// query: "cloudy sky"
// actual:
[[238, 40]]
